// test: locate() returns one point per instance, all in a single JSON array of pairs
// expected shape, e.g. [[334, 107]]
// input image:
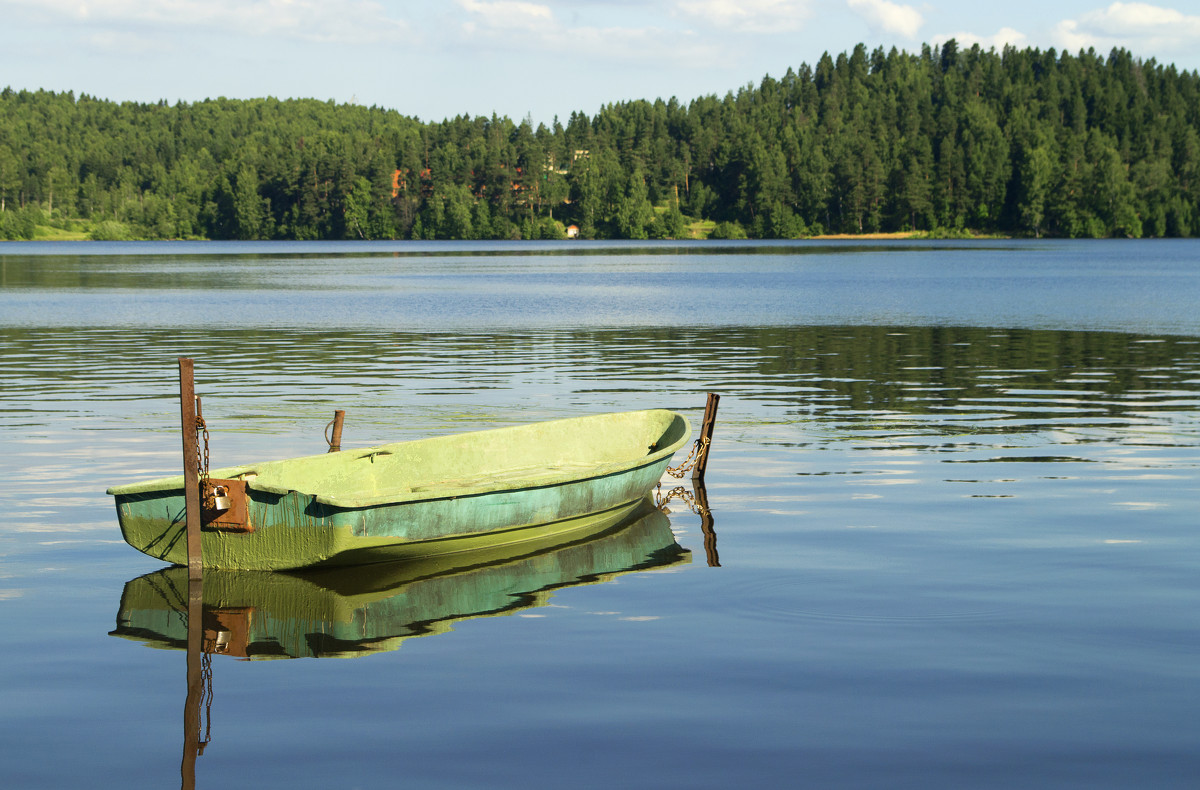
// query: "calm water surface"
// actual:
[[955, 491]]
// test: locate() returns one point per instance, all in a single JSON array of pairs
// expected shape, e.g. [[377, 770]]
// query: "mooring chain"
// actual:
[[681, 493], [202, 459], [690, 462]]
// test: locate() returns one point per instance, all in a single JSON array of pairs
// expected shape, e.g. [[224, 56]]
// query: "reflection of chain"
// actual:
[[207, 698], [690, 462], [681, 493]]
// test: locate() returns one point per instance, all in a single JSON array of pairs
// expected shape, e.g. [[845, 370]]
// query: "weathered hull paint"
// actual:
[[344, 612], [295, 528]]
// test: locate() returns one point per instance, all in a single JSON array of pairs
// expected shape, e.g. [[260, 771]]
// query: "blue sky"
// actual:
[[520, 57]]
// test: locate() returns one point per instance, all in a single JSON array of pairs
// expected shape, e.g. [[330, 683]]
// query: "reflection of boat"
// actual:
[[373, 608], [410, 499]]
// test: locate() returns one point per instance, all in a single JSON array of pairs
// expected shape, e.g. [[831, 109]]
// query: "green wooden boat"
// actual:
[[413, 499], [341, 612]]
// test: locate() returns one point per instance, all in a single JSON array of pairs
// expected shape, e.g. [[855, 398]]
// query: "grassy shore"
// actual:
[[48, 233], [920, 234], [860, 236], [82, 230], [700, 230]]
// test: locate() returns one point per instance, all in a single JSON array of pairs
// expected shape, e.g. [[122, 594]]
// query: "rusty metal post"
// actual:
[[335, 444], [191, 479], [706, 432]]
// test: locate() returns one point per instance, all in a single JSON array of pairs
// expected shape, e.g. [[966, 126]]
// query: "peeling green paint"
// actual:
[[430, 496]]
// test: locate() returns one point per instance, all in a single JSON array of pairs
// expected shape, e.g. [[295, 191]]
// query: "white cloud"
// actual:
[[1068, 37], [637, 44], [1124, 18], [346, 21], [515, 24], [747, 16], [507, 15], [1140, 27], [128, 43], [888, 17], [998, 40]]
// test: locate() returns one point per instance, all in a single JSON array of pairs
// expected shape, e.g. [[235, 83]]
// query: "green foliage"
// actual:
[[20, 224], [727, 230], [670, 224], [1021, 141], [946, 233], [110, 230]]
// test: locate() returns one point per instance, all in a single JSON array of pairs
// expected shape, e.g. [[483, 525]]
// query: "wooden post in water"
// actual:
[[335, 444], [191, 475], [706, 432]]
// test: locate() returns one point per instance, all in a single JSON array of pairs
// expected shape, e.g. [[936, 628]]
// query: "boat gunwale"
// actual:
[[401, 496]]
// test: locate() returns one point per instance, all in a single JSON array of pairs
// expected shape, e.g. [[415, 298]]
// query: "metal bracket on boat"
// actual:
[[225, 506]]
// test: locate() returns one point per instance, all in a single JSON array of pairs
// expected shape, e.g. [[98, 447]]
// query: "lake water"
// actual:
[[954, 487]]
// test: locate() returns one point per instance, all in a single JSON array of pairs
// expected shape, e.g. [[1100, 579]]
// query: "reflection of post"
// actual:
[[706, 432], [706, 524], [195, 682], [191, 479]]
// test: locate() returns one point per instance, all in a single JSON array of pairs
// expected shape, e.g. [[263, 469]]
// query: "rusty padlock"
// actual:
[[221, 498]]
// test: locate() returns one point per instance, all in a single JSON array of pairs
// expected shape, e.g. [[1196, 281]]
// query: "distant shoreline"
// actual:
[[895, 235]]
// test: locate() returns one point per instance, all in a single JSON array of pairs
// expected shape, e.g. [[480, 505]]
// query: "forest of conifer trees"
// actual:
[[1020, 142]]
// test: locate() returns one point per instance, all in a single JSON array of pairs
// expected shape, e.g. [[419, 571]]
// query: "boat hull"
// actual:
[[293, 528]]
